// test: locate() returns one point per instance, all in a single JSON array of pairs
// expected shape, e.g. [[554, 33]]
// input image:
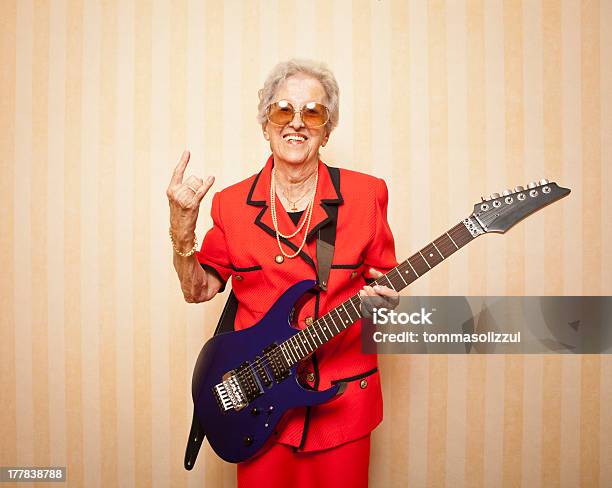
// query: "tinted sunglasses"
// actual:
[[313, 114]]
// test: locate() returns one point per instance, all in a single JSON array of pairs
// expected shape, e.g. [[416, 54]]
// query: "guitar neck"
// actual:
[[348, 312]]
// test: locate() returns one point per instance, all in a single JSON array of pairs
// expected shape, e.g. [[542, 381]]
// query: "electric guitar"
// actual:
[[245, 381]]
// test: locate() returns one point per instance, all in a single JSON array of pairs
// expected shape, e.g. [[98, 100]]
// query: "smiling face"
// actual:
[[294, 143]]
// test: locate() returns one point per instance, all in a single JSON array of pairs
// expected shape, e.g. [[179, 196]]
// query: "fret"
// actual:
[[296, 345], [314, 339], [400, 275], [301, 345], [310, 329], [319, 326], [347, 320], [356, 311], [443, 246], [460, 234], [333, 322], [396, 286], [432, 256], [388, 280], [291, 352], [293, 349], [307, 341], [449, 236], [406, 272], [436, 247], [326, 328], [283, 349], [412, 267], [339, 317], [428, 265], [419, 265], [329, 327]]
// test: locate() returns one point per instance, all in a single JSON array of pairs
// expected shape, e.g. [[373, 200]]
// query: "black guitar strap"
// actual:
[[326, 239], [327, 236], [196, 434]]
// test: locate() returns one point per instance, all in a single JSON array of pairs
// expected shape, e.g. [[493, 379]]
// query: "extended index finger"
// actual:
[[179, 171]]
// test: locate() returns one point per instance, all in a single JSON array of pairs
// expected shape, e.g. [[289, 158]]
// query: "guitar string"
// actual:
[[265, 360]]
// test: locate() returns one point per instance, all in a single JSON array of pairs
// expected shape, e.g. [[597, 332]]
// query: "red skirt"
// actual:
[[281, 466]]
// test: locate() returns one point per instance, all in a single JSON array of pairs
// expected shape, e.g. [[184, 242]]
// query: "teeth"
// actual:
[[295, 138]]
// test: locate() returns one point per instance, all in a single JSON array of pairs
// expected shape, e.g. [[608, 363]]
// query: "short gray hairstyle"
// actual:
[[287, 69]]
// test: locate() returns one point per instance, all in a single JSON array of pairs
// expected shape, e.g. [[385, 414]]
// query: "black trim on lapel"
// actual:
[[287, 243], [334, 176], [257, 203]]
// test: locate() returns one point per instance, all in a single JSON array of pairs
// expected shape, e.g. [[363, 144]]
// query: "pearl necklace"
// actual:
[[306, 220]]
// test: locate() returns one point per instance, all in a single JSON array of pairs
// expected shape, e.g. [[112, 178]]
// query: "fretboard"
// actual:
[[305, 342]]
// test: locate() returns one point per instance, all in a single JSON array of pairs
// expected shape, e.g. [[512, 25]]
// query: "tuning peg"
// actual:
[[493, 196], [544, 181], [482, 198], [532, 184], [518, 189], [506, 192]]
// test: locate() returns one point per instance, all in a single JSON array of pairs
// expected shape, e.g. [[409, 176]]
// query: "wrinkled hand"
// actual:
[[378, 296], [185, 198]]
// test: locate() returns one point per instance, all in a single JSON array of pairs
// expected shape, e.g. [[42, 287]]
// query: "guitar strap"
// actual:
[[326, 239], [196, 433]]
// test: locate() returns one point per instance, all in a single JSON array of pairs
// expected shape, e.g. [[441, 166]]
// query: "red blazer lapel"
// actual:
[[326, 194]]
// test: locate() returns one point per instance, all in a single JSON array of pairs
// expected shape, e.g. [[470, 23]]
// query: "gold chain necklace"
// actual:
[[306, 220], [293, 203]]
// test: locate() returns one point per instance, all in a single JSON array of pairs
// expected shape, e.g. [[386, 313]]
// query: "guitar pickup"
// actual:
[[277, 362], [262, 372], [249, 386]]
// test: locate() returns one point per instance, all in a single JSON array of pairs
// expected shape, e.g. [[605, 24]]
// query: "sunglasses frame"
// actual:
[[298, 111]]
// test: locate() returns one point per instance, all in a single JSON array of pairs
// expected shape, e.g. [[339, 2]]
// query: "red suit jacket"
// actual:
[[242, 244]]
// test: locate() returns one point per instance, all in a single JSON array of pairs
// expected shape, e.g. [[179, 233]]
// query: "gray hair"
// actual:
[[287, 69]]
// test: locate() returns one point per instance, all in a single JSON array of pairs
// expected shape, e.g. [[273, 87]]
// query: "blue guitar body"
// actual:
[[239, 434]]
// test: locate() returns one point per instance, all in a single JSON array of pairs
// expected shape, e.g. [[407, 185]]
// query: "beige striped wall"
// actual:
[[446, 100]]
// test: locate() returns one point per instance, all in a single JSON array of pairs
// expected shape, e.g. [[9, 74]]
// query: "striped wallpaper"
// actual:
[[446, 100]]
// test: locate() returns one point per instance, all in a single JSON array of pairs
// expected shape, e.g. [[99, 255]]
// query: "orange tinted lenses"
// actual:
[[313, 114]]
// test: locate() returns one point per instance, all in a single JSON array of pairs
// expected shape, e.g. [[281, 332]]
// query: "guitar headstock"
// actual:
[[498, 213]]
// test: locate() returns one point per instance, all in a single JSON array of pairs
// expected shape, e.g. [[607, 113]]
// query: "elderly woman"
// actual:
[[264, 236]]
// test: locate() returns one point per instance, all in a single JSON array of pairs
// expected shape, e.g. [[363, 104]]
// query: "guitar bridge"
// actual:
[[229, 394], [238, 388]]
